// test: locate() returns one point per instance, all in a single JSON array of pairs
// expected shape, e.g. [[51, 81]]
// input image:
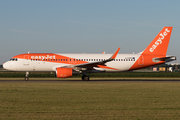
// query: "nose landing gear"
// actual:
[[27, 76]]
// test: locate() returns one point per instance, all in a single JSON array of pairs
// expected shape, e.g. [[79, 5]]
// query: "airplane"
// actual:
[[67, 65]]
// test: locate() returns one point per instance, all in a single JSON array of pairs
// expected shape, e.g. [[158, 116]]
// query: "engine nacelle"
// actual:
[[64, 72]]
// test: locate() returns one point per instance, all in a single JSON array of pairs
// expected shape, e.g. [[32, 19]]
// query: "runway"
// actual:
[[75, 80]]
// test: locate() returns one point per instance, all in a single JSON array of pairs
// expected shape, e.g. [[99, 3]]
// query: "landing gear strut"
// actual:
[[27, 76], [85, 78]]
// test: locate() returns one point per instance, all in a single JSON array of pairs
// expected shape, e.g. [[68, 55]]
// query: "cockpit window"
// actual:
[[13, 59]]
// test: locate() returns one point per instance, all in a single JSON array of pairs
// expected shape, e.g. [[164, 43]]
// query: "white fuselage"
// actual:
[[123, 62]]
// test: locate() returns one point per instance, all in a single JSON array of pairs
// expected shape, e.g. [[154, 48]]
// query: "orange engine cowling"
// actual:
[[63, 72]]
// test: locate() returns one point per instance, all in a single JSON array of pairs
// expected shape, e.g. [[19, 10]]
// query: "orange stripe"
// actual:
[[72, 61], [105, 67]]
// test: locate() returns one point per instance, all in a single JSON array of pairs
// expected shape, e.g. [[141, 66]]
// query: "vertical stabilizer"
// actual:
[[160, 43]]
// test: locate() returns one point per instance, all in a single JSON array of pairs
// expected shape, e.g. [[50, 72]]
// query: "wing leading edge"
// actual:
[[95, 64]]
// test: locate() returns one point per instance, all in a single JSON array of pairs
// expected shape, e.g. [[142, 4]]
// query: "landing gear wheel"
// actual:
[[26, 78], [85, 78]]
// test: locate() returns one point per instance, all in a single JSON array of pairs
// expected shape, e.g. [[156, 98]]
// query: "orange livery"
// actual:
[[66, 65]]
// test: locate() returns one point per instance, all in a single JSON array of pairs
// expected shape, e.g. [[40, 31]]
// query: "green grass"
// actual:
[[90, 100]]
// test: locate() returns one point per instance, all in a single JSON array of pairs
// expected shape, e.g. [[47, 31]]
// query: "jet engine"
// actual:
[[64, 72]]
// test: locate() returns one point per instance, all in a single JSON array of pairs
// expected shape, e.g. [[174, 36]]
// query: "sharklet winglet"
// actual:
[[115, 54]]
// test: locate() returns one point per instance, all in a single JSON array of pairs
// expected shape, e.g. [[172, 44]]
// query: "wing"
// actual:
[[95, 64]]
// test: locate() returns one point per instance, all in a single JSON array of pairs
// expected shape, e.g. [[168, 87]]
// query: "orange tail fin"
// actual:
[[160, 43]]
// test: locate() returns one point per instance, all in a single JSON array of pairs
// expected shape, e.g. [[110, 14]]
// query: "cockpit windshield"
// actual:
[[13, 59]]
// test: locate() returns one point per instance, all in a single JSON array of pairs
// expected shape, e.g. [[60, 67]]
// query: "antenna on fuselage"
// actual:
[[28, 52]]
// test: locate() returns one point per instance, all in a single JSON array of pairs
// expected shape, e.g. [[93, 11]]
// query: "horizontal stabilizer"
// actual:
[[165, 59]]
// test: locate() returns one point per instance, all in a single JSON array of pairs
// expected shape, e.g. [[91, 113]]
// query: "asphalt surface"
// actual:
[[51, 80]]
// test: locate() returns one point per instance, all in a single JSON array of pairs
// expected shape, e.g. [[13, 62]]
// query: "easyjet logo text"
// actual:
[[44, 57], [160, 40]]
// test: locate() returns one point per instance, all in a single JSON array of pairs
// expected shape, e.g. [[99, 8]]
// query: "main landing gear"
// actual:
[[27, 76], [85, 78]]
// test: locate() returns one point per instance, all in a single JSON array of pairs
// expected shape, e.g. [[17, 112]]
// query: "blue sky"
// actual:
[[85, 26]]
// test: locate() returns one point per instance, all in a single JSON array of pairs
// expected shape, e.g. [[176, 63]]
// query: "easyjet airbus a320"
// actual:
[[66, 65]]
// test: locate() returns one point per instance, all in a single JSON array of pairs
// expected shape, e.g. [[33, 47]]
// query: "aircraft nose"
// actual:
[[6, 65]]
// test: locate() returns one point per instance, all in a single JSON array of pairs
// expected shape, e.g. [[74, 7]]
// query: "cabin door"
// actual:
[[26, 60]]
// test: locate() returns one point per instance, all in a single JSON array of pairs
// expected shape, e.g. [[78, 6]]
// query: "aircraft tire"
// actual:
[[85, 78], [26, 78]]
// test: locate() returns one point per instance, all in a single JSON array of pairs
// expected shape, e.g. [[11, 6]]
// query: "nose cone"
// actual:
[[5, 65], [8, 65]]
